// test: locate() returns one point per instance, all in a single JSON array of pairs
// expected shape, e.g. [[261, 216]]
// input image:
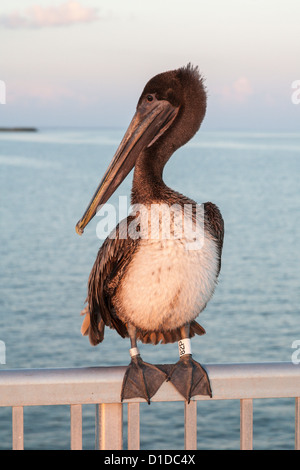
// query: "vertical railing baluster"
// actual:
[[190, 425], [133, 426], [76, 427], [246, 424], [18, 428], [297, 423], [109, 426]]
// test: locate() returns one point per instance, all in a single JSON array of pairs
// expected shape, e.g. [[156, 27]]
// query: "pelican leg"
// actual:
[[141, 379], [187, 375]]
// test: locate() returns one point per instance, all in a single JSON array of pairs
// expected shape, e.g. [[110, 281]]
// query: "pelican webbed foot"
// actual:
[[189, 378], [141, 379]]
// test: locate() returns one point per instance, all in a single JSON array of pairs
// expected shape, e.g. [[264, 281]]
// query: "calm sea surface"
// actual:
[[47, 179]]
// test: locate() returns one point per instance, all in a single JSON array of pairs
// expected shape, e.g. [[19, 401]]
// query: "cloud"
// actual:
[[45, 93], [238, 91], [69, 13]]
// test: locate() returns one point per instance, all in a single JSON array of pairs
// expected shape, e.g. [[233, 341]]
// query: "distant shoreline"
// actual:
[[18, 129]]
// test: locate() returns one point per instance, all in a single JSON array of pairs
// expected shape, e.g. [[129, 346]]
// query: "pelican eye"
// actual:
[[149, 98]]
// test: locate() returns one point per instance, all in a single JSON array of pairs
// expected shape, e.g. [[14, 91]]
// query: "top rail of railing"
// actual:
[[29, 387]]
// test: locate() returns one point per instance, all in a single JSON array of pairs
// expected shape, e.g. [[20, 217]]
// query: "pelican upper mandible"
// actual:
[[158, 270]]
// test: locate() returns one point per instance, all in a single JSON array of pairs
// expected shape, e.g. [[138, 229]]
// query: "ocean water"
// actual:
[[47, 179]]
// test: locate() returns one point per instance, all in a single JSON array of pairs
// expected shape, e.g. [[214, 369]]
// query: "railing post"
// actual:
[[18, 428], [246, 424], [133, 426], [76, 427], [109, 426], [297, 423], [190, 425]]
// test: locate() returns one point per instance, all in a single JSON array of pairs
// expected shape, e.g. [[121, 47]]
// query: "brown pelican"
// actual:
[[152, 288]]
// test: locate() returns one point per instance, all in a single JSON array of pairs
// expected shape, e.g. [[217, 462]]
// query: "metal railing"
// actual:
[[102, 385]]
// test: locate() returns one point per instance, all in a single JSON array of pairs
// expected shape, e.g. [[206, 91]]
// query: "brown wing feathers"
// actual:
[[112, 259]]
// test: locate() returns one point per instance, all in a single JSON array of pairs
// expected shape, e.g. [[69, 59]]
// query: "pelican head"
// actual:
[[169, 112]]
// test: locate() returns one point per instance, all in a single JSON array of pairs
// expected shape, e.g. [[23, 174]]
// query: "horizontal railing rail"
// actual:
[[102, 386]]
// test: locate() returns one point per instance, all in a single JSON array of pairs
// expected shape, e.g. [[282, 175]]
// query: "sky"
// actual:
[[85, 63]]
